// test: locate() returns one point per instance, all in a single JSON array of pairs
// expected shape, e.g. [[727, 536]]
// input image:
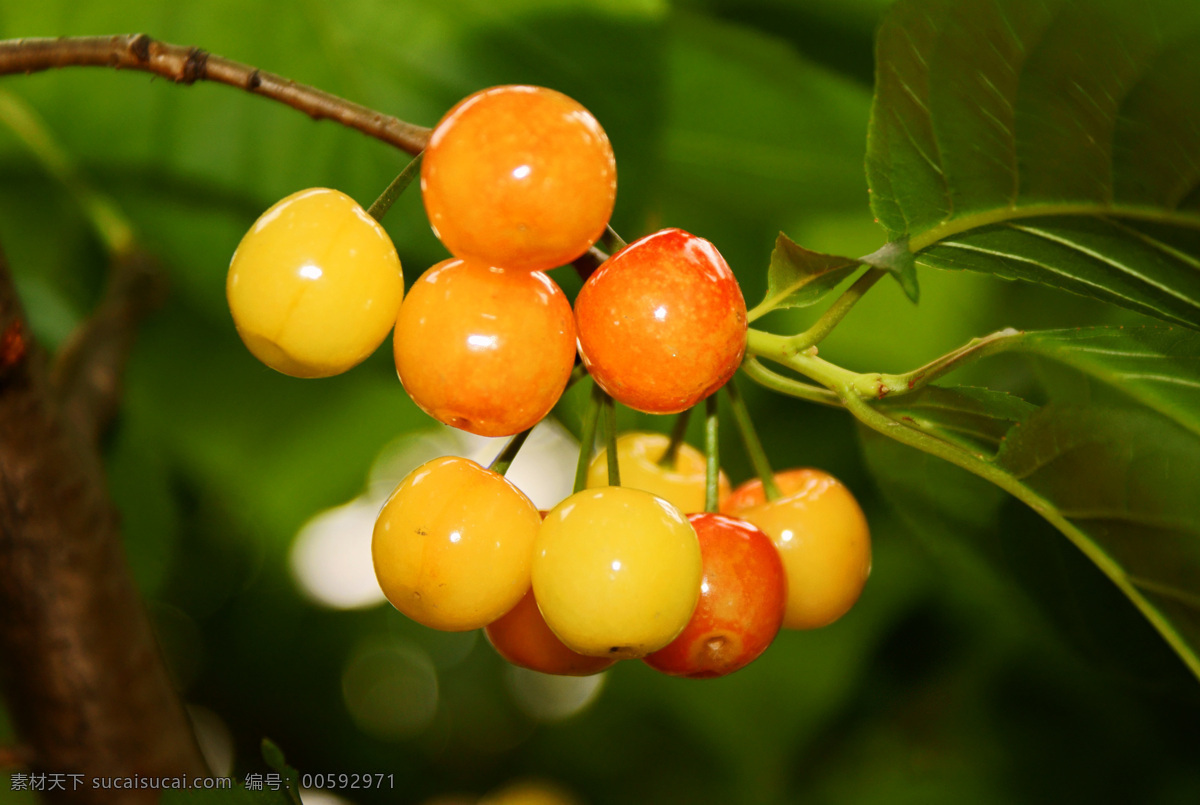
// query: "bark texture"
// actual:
[[80, 668]]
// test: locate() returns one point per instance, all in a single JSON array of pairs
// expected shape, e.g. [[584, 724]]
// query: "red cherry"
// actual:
[[662, 323], [742, 598]]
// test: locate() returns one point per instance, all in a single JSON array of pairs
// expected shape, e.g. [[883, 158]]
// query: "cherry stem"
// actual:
[[671, 455], [508, 455], [612, 241], [610, 425], [754, 448], [712, 464], [392, 192], [587, 438]]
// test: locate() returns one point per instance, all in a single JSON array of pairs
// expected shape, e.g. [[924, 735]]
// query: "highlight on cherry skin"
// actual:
[[452, 547], [743, 593], [662, 323], [822, 536], [616, 572], [315, 285], [484, 349], [522, 637], [518, 176], [638, 453]]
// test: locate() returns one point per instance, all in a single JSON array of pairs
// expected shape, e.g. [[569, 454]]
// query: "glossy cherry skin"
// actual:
[[520, 177], [662, 323], [822, 536], [616, 572], [453, 544], [315, 284], [484, 349], [682, 485], [522, 637], [742, 597]]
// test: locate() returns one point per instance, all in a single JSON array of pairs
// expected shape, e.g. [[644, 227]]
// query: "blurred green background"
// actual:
[[987, 660]]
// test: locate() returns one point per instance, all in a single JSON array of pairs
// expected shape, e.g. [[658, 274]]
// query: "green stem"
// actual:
[[786, 385], [610, 426], [834, 314], [503, 461], [870, 385], [392, 192], [612, 241], [587, 438], [678, 432], [754, 448], [712, 458]]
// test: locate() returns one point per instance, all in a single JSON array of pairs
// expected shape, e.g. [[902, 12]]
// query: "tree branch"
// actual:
[[187, 65], [89, 368], [80, 670]]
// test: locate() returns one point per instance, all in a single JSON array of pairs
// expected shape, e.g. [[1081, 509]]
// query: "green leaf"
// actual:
[[273, 756], [1054, 142], [799, 277], [975, 418], [1157, 366], [1119, 482], [1121, 485]]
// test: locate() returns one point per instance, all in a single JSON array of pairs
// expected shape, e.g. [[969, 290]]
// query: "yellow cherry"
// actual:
[[315, 285], [822, 537], [681, 485], [616, 572], [453, 544]]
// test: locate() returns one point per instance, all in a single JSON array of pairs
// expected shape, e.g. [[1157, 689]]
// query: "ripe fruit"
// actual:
[[522, 637], [638, 453], [616, 572], [315, 284], [519, 177], [742, 598], [662, 323], [485, 349], [822, 537], [453, 544]]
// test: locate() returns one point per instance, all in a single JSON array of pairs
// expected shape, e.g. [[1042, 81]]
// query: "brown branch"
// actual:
[[187, 65], [89, 368], [79, 666]]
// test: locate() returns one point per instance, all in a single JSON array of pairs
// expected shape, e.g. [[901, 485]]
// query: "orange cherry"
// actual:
[[484, 349], [822, 536], [520, 177], [662, 323]]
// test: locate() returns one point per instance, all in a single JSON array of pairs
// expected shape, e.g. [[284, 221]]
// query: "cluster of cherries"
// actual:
[[518, 180]]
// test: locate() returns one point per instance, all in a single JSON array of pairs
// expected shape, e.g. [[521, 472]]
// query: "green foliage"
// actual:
[[799, 277], [1052, 142]]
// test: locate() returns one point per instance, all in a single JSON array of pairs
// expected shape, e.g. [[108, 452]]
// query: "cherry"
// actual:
[[638, 453], [315, 284], [484, 349], [520, 177], [822, 536], [662, 323], [523, 638], [742, 597], [453, 544], [616, 572]]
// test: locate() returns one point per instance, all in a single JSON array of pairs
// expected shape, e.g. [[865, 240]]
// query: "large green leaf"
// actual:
[[1054, 141], [1157, 366], [1116, 475]]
